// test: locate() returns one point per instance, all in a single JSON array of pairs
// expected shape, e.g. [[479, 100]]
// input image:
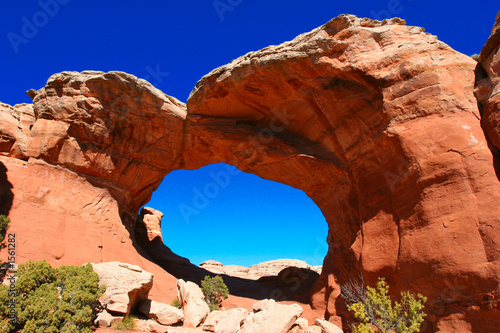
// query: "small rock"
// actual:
[[134, 268], [105, 319]]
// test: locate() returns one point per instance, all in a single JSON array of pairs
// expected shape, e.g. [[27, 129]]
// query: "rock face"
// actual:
[[126, 286], [269, 317], [375, 121], [255, 272], [192, 302]]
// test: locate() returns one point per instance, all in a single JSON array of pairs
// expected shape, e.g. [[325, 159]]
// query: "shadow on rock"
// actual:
[[6, 194]]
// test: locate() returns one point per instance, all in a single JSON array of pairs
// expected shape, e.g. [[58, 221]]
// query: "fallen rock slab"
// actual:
[[162, 313], [269, 317]]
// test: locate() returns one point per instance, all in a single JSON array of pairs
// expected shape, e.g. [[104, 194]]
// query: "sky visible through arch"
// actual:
[[221, 213], [173, 44]]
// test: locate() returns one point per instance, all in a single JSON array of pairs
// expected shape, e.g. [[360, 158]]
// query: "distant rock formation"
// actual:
[[255, 272], [376, 122]]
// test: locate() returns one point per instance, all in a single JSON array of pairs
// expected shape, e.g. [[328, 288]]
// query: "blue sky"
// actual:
[[173, 44]]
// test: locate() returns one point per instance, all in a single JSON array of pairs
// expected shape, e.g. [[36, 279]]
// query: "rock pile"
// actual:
[[128, 287]]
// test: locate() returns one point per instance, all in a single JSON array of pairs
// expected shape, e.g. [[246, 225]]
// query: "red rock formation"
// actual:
[[376, 121], [378, 124], [488, 84]]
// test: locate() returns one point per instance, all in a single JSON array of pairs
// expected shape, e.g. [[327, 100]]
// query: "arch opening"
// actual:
[[220, 213]]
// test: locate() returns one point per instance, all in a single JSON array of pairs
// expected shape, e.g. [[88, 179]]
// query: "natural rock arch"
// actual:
[[375, 121]]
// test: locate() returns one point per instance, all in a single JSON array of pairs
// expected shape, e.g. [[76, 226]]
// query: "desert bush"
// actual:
[[373, 308], [175, 303], [49, 299], [127, 324], [5, 324], [215, 291]]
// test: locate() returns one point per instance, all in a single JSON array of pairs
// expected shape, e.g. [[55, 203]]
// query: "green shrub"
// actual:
[[4, 226], [51, 299], [175, 303], [215, 291], [5, 324], [373, 308], [127, 324]]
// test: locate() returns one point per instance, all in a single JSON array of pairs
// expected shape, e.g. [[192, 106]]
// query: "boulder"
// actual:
[[327, 327], [126, 286], [232, 322], [212, 319], [164, 314], [105, 319], [228, 321], [192, 302], [270, 317]]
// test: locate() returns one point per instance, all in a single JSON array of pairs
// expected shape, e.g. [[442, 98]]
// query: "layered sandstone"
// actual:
[[375, 121]]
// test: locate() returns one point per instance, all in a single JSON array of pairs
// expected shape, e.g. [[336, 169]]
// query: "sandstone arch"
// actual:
[[375, 121]]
